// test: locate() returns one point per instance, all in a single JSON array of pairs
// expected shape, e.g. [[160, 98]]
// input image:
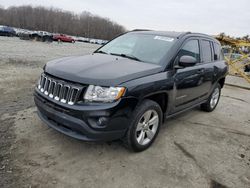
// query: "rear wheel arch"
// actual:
[[221, 82]]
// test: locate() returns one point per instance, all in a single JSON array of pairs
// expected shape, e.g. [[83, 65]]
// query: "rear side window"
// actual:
[[217, 51], [191, 48], [206, 51], [222, 55]]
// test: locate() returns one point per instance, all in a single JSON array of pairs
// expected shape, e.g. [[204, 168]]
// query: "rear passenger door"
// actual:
[[208, 62]]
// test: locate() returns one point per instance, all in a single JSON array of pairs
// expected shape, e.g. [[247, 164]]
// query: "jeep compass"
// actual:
[[128, 87]]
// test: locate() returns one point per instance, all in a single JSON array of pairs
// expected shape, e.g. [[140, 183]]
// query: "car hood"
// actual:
[[100, 69]]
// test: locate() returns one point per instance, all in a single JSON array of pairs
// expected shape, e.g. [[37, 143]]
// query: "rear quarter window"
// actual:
[[217, 52]]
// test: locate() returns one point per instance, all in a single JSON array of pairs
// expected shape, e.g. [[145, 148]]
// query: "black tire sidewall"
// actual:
[[140, 110], [210, 109]]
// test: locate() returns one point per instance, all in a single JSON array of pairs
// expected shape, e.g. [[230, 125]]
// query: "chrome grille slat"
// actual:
[[67, 92], [43, 84], [59, 90], [64, 93], [51, 89], [77, 95], [73, 95], [46, 86]]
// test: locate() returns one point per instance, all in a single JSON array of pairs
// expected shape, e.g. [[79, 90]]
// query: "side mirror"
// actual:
[[187, 61]]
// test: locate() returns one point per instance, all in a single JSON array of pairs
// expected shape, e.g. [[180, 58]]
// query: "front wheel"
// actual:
[[145, 125], [213, 100]]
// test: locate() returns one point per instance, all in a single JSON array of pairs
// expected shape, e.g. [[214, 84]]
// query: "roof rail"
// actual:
[[141, 30], [183, 34]]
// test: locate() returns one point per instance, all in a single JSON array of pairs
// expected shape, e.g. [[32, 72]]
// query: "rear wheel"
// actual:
[[145, 125], [213, 100]]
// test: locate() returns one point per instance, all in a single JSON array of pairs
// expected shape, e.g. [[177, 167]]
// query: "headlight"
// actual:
[[103, 94]]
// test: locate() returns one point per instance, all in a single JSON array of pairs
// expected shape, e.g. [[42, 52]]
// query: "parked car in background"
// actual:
[[92, 41], [20, 31], [104, 42], [101, 42], [42, 36], [82, 39], [98, 41], [25, 34], [63, 38], [7, 31], [232, 56]]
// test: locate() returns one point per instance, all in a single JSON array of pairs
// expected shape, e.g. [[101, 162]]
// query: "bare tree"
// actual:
[[60, 21]]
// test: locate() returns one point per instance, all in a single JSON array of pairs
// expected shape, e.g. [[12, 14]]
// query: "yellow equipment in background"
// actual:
[[239, 62]]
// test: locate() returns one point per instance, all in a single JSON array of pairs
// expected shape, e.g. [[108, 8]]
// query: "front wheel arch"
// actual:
[[160, 98]]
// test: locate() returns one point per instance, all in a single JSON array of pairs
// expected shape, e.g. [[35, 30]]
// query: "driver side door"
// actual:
[[189, 81]]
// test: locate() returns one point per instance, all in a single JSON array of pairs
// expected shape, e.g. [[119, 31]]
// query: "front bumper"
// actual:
[[81, 121]]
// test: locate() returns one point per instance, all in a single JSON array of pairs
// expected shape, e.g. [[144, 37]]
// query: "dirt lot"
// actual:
[[195, 149]]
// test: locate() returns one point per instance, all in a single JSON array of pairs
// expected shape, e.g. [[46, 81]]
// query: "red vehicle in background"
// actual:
[[63, 38]]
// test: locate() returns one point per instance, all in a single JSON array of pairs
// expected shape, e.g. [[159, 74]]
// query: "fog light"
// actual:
[[102, 121]]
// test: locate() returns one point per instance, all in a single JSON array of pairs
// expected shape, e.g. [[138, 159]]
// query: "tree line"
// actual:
[[245, 38], [55, 20]]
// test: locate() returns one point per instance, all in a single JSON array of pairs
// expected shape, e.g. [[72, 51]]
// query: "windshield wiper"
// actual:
[[101, 52], [130, 56]]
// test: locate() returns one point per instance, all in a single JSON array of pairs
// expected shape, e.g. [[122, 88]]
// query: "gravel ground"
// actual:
[[195, 149]]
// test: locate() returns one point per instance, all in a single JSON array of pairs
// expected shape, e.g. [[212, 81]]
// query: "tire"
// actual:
[[213, 100], [137, 137]]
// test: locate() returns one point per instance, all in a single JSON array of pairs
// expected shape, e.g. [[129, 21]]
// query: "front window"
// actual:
[[191, 48], [142, 47]]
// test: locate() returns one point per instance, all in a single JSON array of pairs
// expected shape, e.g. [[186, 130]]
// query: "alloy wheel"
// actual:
[[215, 98], [147, 127]]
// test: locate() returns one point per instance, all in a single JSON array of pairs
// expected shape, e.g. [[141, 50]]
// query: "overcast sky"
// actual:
[[206, 16]]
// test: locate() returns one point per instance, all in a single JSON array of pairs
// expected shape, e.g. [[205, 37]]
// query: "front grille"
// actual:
[[59, 90]]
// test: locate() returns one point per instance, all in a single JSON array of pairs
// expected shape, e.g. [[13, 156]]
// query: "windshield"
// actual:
[[141, 47]]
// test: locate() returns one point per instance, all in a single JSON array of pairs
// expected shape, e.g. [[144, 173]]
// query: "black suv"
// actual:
[[128, 87]]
